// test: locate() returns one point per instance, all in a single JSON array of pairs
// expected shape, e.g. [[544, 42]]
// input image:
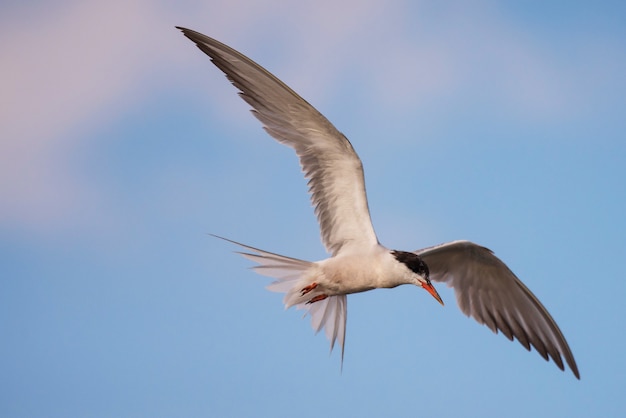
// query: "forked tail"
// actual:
[[292, 279]]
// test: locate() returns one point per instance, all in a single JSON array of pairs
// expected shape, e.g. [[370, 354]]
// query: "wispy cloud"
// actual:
[[74, 68], [65, 71]]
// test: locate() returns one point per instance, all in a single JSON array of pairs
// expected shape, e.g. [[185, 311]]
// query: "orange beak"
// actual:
[[433, 292]]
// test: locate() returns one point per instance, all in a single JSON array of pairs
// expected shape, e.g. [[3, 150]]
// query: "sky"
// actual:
[[122, 148]]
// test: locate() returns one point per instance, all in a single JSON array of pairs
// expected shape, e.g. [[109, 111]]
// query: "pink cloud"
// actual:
[[72, 69], [64, 72]]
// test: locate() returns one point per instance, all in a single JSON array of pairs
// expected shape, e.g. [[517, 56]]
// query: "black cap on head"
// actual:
[[413, 261]]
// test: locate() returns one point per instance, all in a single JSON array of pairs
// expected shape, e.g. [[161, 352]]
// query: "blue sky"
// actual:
[[122, 148]]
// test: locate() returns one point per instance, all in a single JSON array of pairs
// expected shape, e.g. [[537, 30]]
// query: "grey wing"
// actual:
[[488, 291], [329, 162]]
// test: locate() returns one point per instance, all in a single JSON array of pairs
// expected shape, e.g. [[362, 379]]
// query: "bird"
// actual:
[[485, 288]]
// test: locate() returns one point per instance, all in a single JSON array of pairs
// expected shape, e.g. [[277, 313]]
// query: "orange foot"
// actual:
[[308, 288], [317, 299]]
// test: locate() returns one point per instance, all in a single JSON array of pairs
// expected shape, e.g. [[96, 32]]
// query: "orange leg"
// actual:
[[308, 288], [317, 299]]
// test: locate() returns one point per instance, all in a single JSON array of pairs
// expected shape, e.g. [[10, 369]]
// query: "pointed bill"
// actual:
[[431, 289]]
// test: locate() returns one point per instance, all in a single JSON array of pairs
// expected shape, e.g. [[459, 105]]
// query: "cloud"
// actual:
[[70, 70], [63, 70]]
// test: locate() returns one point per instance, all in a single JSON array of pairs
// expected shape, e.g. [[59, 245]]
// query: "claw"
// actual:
[[308, 288], [317, 299]]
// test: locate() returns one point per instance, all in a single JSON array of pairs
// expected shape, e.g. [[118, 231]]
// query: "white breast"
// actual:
[[362, 271]]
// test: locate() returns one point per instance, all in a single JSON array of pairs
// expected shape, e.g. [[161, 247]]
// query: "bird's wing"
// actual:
[[487, 290], [329, 162]]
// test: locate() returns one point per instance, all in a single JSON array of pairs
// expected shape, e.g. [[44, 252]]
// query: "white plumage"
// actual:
[[486, 289]]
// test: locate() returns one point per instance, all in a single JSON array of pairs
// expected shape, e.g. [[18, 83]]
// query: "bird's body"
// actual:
[[485, 287], [344, 274]]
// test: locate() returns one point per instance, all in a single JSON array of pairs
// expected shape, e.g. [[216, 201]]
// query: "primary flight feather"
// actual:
[[486, 289]]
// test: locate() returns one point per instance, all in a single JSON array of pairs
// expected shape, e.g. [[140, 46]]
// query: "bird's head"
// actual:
[[420, 274]]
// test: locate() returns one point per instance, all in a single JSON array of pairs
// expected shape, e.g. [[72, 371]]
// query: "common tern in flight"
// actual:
[[486, 289]]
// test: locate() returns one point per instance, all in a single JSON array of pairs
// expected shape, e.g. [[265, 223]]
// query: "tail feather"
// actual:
[[333, 310], [292, 277]]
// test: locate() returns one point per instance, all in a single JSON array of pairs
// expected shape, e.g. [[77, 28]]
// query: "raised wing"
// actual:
[[488, 291], [329, 162]]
